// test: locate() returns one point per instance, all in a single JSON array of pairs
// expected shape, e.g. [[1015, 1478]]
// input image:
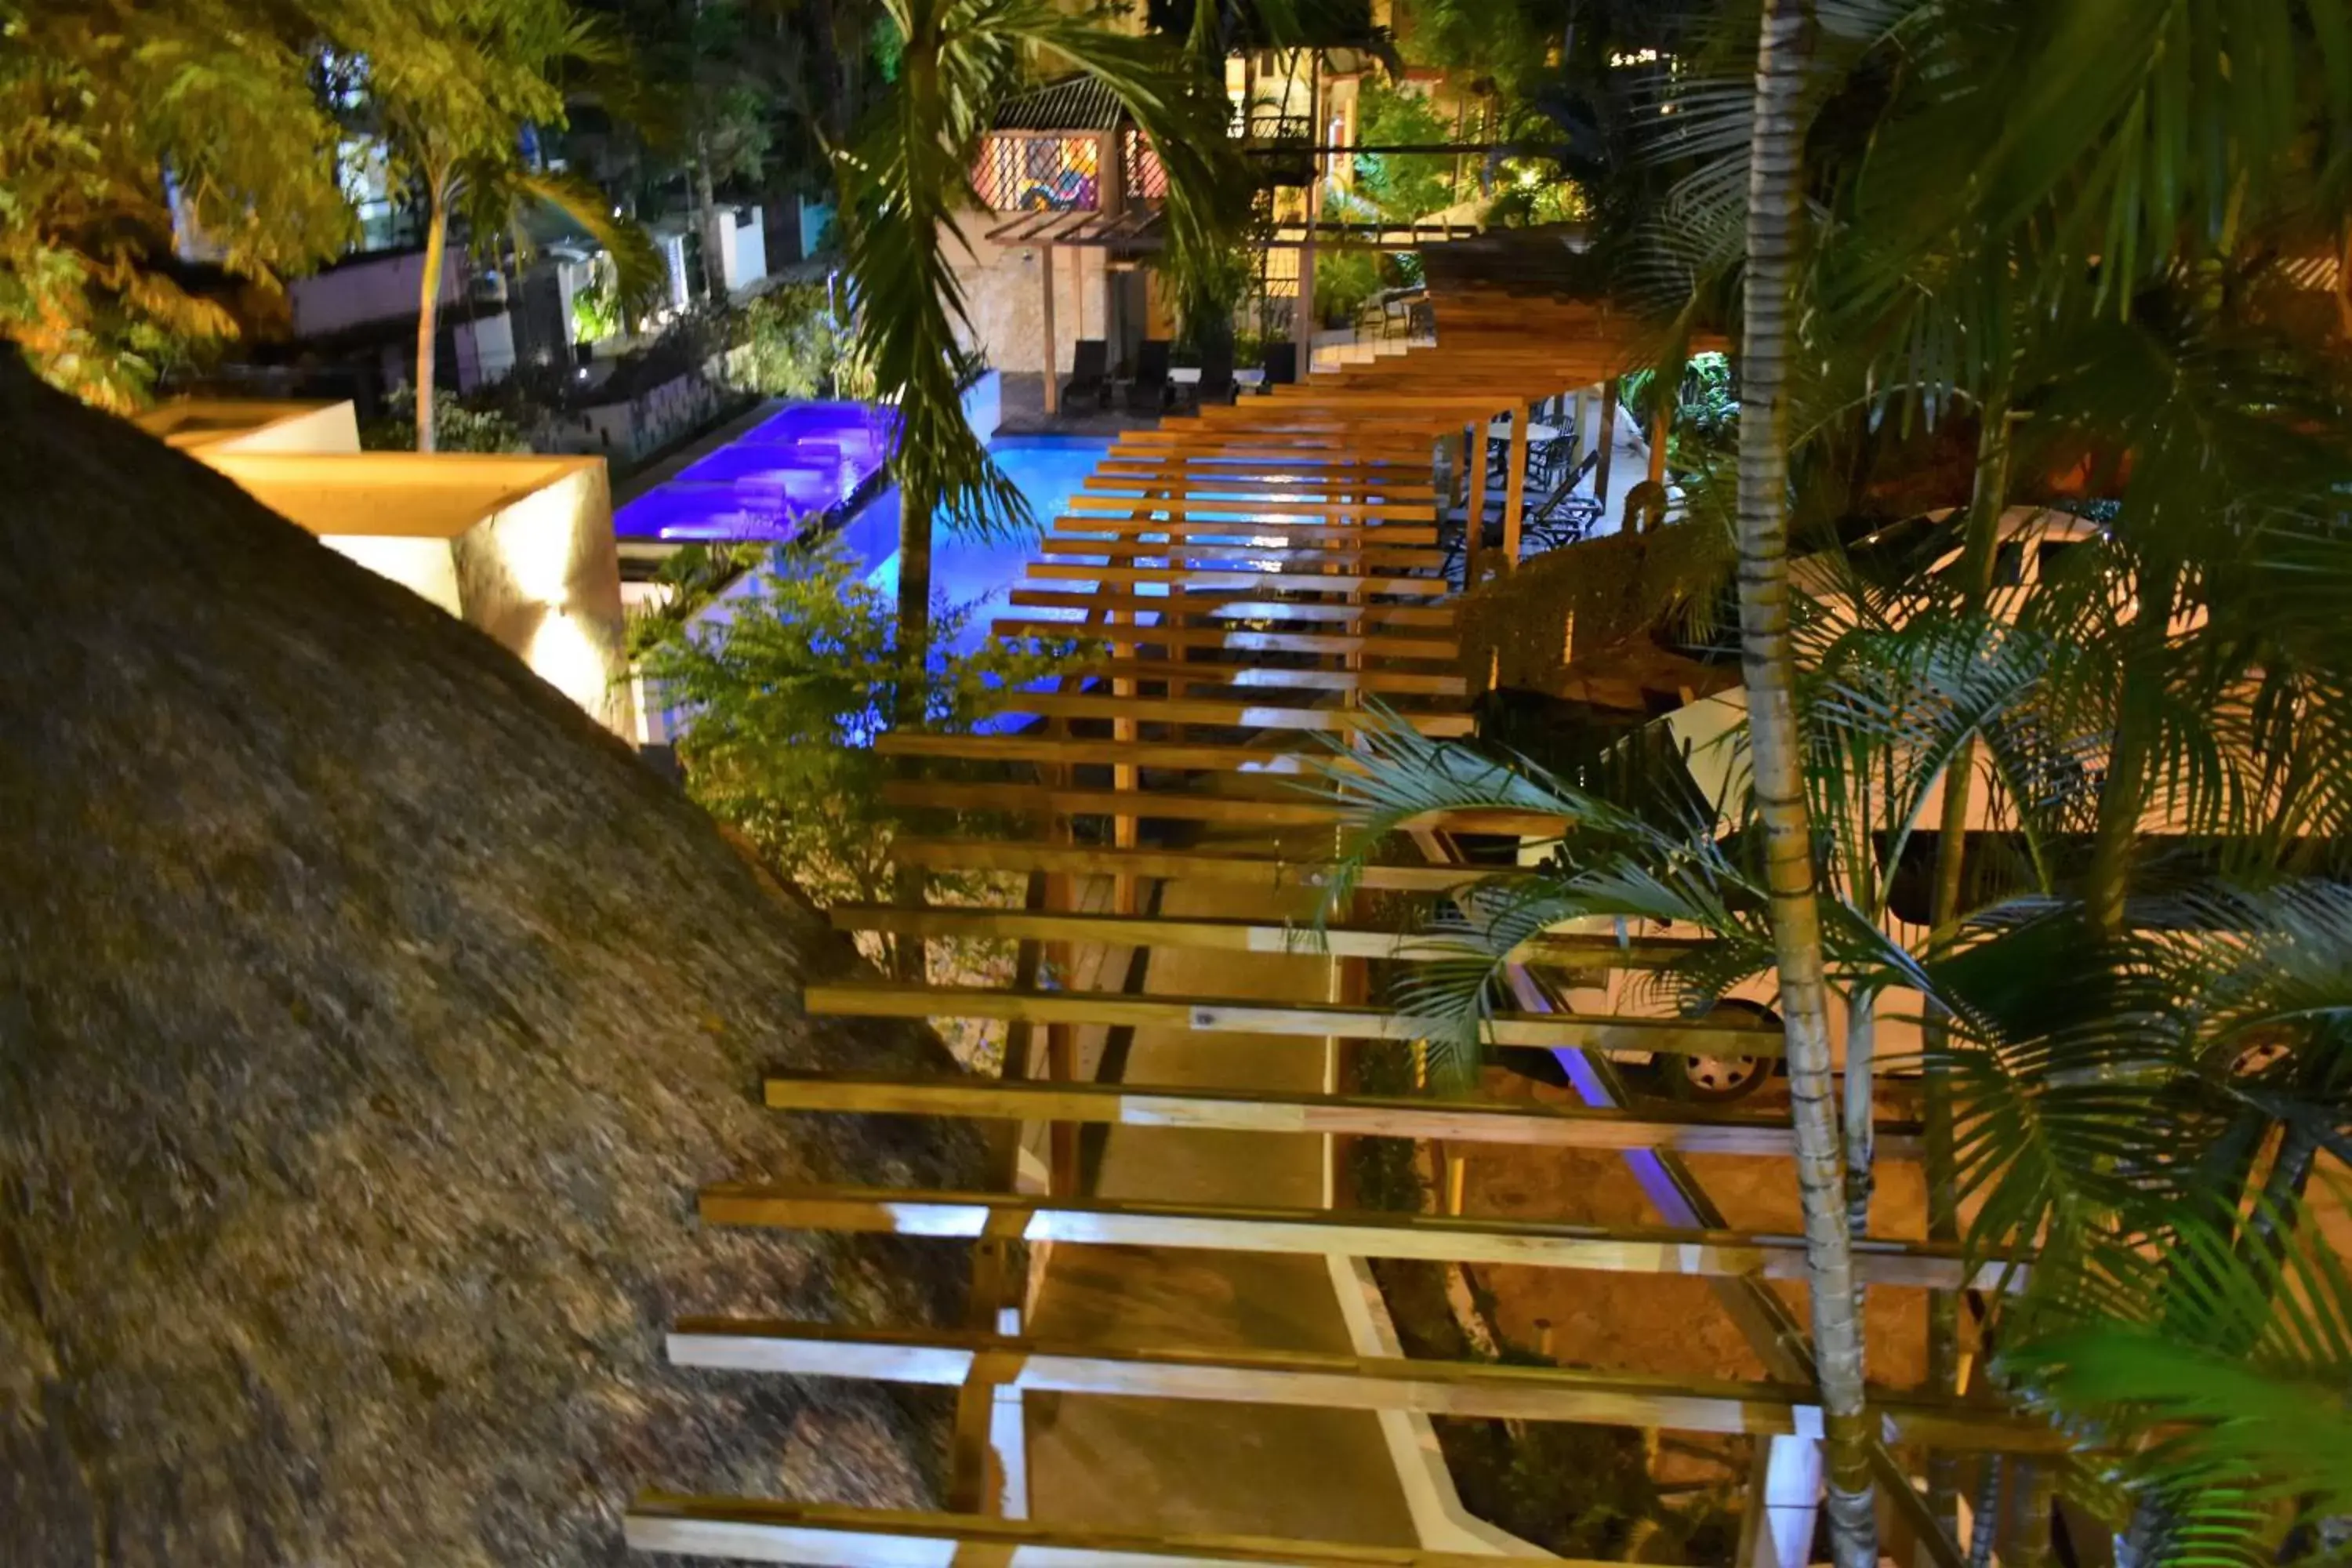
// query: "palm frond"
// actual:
[[640, 273]]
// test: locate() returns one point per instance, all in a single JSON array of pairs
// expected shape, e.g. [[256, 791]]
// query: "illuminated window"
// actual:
[[1040, 174]]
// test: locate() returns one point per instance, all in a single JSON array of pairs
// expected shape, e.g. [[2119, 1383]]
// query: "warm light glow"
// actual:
[[563, 654], [534, 541]]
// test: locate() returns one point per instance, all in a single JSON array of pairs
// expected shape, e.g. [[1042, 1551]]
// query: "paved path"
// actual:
[[1188, 1466]]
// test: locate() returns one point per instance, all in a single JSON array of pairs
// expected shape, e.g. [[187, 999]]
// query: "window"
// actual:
[[1040, 174]]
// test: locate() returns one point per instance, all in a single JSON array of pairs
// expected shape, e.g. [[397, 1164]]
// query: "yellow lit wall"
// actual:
[[520, 546]]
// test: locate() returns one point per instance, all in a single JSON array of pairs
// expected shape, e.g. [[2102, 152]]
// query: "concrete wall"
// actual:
[[543, 575], [520, 546], [209, 426], [371, 288], [746, 249]]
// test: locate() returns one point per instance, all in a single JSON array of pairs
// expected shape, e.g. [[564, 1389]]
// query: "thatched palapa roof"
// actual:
[[368, 1018]]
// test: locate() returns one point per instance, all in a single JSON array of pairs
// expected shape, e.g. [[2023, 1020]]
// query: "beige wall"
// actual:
[[543, 575], [1004, 292], [209, 427], [520, 546]]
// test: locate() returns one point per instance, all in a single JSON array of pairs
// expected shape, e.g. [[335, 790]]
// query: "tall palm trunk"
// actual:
[[908, 957], [1775, 211], [1980, 551], [429, 304], [714, 233]]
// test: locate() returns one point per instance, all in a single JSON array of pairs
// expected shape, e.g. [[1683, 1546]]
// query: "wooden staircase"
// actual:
[[1254, 580]]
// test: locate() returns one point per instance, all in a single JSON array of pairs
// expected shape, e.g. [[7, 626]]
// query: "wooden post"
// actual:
[[1302, 320], [1053, 372], [1661, 425], [1473, 459], [1457, 1171], [1608, 443], [1514, 494]]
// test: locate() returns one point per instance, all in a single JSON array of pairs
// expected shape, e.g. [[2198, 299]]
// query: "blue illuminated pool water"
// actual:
[[768, 483], [970, 576]]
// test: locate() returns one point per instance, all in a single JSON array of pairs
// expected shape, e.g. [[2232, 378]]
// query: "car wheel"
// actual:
[[1716, 1080]]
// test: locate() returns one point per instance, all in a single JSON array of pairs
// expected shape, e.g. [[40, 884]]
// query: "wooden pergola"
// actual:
[[1251, 580]]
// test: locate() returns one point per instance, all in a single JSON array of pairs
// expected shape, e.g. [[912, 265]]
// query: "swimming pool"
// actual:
[[768, 483], [971, 574]]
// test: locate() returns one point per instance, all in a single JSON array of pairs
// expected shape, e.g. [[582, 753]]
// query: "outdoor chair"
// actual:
[[1281, 364], [1149, 390], [1216, 384], [1396, 319], [1089, 374]]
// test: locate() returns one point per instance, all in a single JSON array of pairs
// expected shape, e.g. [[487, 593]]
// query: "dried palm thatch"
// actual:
[[368, 1019]]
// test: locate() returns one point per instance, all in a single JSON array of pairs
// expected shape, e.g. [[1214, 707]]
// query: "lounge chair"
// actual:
[[1216, 385], [1149, 390], [1089, 374]]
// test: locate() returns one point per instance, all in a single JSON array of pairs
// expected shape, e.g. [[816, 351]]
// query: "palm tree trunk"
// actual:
[[1861, 1077], [705, 201], [428, 306], [1979, 551], [908, 958], [1775, 210]]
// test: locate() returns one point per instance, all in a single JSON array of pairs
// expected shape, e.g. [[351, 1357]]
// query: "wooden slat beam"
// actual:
[[824, 1535], [1055, 749], [1564, 951], [1247, 555], [1488, 1390], [1688, 1130], [1253, 810], [1223, 607], [1244, 582], [1278, 676], [1195, 508], [1243, 639], [1212, 1015], [1245, 870], [1160, 806], [1290, 533], [1342, 1233], [1235, 715]]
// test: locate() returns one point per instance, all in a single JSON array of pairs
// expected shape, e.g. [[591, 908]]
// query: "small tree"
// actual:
[[451, 86], [784, 687]]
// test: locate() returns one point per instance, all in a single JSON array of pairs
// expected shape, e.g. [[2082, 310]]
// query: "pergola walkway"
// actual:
[[1255, 578]]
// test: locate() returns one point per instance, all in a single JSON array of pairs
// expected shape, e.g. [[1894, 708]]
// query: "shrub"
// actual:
[[458, 425], [791, 344]]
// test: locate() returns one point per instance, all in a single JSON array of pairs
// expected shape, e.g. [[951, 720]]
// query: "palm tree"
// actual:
[[451, 86], [1776, 197], [906, 181]]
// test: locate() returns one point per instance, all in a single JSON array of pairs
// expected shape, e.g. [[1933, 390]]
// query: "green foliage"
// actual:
[[113, 108], [1705, 432], [786, 681], [907, 178], [1534, 190], [1344, 281], [458, 425], [597, 309], [2218, 1373], [793, 343], [1403, 185]]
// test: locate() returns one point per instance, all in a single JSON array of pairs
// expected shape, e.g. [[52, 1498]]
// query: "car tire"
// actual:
[[1716, 1080]]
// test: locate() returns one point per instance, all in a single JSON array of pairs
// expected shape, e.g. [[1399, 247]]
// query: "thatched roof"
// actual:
[[368, 1018]]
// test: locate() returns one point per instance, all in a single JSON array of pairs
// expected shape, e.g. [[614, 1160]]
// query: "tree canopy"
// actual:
[[127, 121]]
